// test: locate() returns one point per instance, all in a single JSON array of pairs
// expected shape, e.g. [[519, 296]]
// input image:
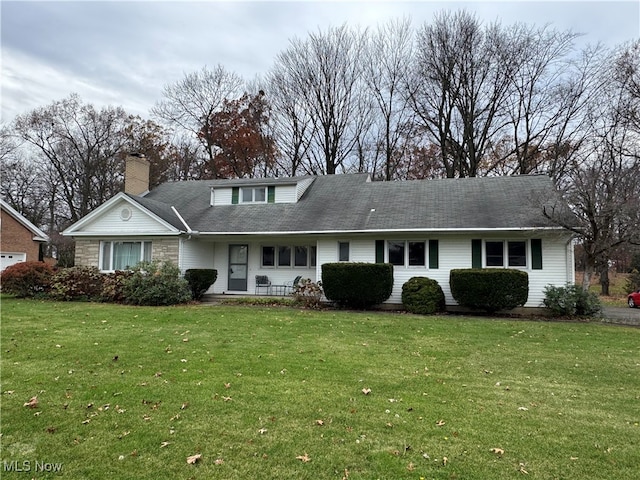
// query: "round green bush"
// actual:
[[200, 279], [422, 295]]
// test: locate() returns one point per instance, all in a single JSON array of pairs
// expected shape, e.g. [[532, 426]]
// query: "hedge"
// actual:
[[489, 289], [357, 285]]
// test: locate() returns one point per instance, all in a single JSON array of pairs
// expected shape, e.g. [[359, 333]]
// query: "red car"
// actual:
[[634, 299]]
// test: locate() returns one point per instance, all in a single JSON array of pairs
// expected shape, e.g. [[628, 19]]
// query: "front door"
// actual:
[[238, 259]]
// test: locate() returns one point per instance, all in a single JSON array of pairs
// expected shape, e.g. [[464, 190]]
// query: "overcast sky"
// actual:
[[123, 53]]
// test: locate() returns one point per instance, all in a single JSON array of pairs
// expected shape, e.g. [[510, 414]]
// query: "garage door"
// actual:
[[8, 259]]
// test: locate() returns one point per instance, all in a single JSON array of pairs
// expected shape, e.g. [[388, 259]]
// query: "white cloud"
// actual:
[[122, 53]]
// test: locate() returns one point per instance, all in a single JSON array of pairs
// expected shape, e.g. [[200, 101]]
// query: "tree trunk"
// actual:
[[604, 280]]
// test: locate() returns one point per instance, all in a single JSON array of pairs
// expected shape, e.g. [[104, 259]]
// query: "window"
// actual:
[[417, 254], [300, 257], [124, 255], [284, 256], [268, 256], [343, 251], [396, 253], [494, 252], [516, 253], [253, 194]]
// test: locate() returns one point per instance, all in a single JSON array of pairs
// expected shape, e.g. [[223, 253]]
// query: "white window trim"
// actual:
[[112, 242], [292, 248], [253, 195], [505, 253], [406, 253]]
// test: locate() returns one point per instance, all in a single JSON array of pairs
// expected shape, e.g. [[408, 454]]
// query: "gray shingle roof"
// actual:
[[351, 203]]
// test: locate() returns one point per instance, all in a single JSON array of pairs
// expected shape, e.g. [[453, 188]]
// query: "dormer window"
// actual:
[[253, 194]]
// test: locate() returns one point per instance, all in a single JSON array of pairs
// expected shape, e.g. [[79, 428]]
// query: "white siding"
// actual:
[[302, 186], [222, 196], [111, 221], [286, 194], [454, 253]]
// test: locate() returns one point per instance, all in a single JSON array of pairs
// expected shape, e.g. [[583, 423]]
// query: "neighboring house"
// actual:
[[289, 227], [20, 240]]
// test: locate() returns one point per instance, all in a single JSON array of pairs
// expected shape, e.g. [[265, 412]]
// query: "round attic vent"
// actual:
[[125, 213]]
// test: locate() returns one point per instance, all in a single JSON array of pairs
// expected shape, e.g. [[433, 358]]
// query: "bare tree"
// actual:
[[323, 78], [83, 148], [388, 56], [191, 103], [459, 87], [601, 182]]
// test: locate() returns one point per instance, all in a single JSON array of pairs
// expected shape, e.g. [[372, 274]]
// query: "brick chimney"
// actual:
[[136, 174]]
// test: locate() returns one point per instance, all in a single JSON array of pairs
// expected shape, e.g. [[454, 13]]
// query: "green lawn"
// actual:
[[260, 392]]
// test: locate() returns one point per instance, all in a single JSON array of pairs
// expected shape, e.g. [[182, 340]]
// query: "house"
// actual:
[[288, 227], [20, 240]]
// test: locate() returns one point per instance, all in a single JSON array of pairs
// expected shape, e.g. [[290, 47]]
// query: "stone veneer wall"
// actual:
[[88, 251]]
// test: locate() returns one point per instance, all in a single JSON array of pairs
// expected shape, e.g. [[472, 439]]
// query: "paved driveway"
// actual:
[[626, 316]]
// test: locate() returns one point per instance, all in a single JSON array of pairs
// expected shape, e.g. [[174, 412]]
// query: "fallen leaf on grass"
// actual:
[[304, 458], [411, 467], [320, 422], [445, 460], [164, 444], [32, 403], [227, 399], [523, 409], [262, 431], [194, 458], [522, 470], [184, 405], [366, 391], [497, 451], [440, 423], [219, 461]]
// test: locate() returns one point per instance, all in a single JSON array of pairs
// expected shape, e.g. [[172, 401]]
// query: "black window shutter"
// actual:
[[434, 253], [271, 194], [476, 253], [379, 251], [235, 191], [536, 254]]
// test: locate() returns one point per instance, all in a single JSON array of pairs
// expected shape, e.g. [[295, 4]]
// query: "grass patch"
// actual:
[[272, 392]]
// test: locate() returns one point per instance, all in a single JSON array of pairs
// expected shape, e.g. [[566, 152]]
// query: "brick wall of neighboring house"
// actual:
[[16, 238], [88, 251]]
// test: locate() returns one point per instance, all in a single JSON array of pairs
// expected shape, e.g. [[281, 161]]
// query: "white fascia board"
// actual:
[[39, 235], [72, 231], [382, 231]]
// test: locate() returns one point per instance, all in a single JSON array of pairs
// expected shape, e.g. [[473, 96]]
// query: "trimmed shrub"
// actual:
[[422, 295], [27, 279], [489, 289], [77, 283], [357, 285], [113, 286], [200, 279], [154, 283], [571, 300], [308, 293]]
